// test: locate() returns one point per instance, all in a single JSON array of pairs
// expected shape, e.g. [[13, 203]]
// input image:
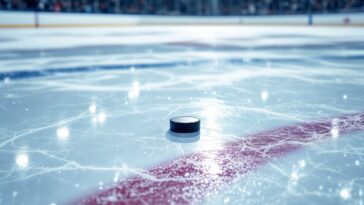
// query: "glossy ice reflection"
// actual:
[[135, 90]]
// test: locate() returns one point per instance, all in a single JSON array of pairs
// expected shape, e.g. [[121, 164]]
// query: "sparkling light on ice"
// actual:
[[92, 108], [22, 160], [63, 133], [264, 95], [84, 115], [345, 193]]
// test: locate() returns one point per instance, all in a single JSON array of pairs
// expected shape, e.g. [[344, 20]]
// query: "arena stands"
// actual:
[[187, 7]]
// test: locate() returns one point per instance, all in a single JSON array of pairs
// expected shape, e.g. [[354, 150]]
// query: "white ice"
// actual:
[[65, 135]]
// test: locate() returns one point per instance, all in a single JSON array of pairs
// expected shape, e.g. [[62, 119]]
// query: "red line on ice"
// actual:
[[187, 179]]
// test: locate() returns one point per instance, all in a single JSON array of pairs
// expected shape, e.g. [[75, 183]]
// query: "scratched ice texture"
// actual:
[[83, 111]]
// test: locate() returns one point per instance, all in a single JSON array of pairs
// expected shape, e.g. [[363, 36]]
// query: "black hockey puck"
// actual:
[[184, 124]]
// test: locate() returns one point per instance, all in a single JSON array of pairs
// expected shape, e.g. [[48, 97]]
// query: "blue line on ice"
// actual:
[[24, 74]]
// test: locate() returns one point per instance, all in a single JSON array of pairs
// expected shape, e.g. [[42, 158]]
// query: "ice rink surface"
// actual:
[[84, 115]]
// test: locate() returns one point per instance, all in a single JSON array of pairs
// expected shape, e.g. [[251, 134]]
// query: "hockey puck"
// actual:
[[184, 124]]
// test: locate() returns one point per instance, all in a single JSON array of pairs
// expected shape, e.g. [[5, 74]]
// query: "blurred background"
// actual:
[[187, 7]]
